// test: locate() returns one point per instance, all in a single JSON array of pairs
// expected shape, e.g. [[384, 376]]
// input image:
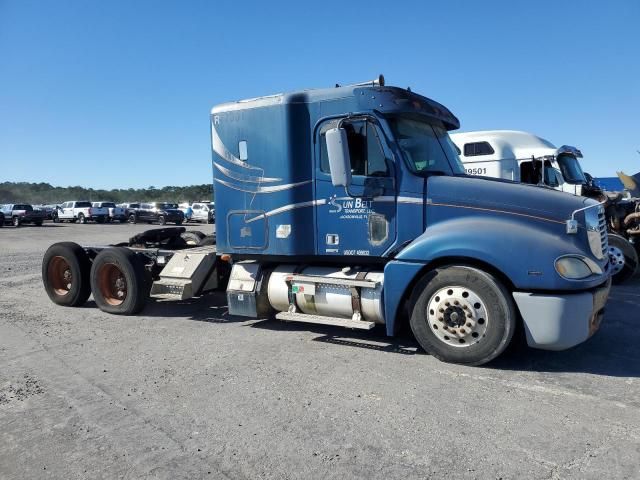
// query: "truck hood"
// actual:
[[503, 196]]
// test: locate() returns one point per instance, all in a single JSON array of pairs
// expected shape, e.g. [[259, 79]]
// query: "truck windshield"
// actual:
[[571, 170], [427, 147]]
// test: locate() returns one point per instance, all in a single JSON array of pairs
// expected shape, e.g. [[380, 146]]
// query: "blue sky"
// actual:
[[116, 94]]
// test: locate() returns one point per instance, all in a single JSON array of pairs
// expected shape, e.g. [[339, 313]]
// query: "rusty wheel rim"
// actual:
[[60, 276], [112, 284]]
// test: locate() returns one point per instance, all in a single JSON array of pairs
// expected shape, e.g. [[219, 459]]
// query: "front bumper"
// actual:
[[561, 321]]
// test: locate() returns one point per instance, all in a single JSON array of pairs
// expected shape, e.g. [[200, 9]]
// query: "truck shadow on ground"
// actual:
[[35, 227], [611, 352]]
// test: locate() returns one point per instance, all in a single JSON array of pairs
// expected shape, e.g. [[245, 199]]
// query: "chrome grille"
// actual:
[[596, 230], [602, 227]]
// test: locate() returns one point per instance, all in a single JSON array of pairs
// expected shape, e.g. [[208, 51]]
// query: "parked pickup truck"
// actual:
[[203, 212], [160, 212], [22, 213], [80, 212], [114, 212]]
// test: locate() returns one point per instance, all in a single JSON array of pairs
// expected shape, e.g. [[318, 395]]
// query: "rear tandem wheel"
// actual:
[[119, 282], [65, 274]]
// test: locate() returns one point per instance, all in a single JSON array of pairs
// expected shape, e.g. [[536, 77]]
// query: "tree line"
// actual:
[[44, 193]]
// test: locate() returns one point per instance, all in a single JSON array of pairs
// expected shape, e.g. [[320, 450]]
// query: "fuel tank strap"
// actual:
[[356, 304]]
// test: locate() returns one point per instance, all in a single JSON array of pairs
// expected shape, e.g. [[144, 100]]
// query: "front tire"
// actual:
[[16, 221], [623, 258], [462, 315], [65, 274], [118, 281], [82, 219], [162, 220], [132, 218]]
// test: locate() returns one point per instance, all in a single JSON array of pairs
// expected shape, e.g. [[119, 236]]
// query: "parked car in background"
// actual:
[[129, 209], [1, 219], [161, 212], [203, 212], [187, 210], [46, 209], [21, 213], [80, 212], [114, 212]]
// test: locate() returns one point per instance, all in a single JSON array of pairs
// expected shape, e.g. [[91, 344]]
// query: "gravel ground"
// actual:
[[185, 391]]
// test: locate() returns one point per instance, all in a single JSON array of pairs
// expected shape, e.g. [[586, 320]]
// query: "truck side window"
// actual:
[[365, 151], [529, 173], [478, 148]]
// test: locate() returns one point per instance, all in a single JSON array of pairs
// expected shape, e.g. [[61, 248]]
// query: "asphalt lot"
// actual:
[[185, 391]]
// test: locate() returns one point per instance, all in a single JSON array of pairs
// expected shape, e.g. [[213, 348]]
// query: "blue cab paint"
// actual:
[[276, 203]]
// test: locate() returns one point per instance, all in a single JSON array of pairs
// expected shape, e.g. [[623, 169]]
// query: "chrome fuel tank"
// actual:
[[326, 299]]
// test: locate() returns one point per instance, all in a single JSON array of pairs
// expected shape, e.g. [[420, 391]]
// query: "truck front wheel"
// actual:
[[623, 258], [81, 219], [118, 281], [462, 315]]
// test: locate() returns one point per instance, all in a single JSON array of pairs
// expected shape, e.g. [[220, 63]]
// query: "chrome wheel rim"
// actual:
[[457, 316], [616, 258]]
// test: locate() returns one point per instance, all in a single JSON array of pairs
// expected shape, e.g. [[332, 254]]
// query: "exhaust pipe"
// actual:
[[376, 82], [632, 217]]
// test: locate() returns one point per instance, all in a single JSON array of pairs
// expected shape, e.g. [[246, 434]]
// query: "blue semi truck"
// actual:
[[349, 206]]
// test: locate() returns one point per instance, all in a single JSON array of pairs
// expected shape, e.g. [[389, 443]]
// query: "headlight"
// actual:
[[576, 268]]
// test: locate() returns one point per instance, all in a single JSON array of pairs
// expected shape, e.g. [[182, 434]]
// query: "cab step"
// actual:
[[319, 319]]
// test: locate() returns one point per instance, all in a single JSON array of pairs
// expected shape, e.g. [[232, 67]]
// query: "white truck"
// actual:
[[81, 212], [203, 212], [526, 158], [521, 157], [114, 212]]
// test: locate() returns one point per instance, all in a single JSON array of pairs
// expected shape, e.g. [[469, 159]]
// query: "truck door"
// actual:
[[66, 211], [145, 213], [362, 220]]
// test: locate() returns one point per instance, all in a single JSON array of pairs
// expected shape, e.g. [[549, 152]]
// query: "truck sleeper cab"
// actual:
[[348, 206]]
